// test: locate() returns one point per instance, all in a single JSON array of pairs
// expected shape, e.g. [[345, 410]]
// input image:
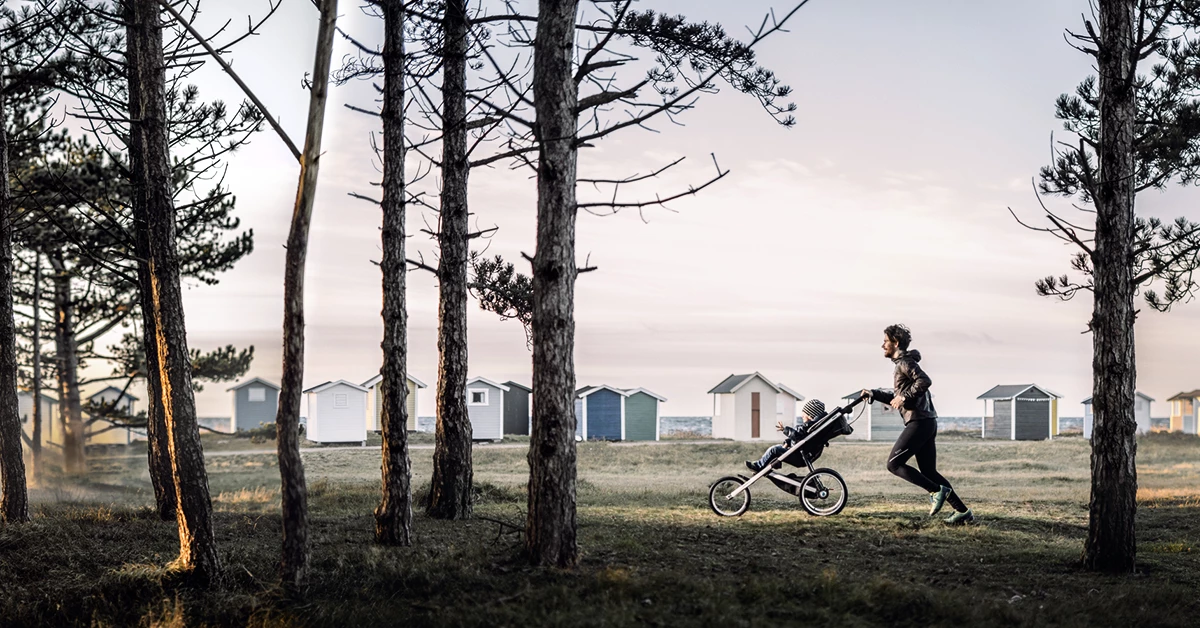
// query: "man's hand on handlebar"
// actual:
[[866, 393]]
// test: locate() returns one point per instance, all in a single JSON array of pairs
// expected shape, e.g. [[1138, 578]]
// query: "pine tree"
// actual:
[[1135, 132]]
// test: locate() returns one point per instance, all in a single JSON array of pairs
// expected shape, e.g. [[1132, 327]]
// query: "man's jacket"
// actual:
[[913, 384]]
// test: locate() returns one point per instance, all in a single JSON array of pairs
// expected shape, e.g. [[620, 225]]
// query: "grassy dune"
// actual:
[[652, 552]]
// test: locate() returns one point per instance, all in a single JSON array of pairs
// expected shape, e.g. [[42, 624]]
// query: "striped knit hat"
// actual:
[[813, 409]]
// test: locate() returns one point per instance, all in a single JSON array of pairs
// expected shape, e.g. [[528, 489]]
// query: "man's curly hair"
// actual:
[[899, 334]]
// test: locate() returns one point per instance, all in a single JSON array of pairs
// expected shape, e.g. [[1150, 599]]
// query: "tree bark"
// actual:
[[158, 448], [67, 364], [1111, 544], [35, 448], [450, 490], [550, 529], [14, 503], [393, 516], [197, 545], [294, 562]]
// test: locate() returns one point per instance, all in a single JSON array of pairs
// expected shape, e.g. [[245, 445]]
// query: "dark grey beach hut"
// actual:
[[516, 409], [1019, 412]]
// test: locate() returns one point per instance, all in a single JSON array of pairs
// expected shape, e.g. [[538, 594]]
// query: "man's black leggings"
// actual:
[[919, 439]]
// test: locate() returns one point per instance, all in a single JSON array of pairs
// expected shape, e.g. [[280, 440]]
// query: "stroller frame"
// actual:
[[806, 488]]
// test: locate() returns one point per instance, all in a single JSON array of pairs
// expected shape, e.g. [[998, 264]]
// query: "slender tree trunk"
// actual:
[[393, 517], [1111, 544], [294, 563], [35, 448], [67, 365], [158, 446], [450, 489], [197, 545], [14, 504], [550, 528]]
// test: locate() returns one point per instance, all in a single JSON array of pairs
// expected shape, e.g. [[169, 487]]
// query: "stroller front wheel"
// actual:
[[723, 505], [823, 493]]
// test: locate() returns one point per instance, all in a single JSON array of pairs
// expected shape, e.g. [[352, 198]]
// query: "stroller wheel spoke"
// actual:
[[724, 505], [823, 493]]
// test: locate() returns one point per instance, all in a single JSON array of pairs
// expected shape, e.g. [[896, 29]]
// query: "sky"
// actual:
[[918, 125]]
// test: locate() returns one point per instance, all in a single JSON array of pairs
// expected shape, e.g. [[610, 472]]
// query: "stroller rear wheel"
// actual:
[[723, 505], [823, 493]]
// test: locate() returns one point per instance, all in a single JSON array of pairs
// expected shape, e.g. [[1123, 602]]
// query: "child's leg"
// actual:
[[771, 453]]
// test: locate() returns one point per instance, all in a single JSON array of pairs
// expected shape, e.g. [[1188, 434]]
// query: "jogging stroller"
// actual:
[[822, 491]]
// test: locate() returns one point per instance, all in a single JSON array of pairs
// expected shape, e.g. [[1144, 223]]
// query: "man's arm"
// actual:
[[920, 379], [881, 396]]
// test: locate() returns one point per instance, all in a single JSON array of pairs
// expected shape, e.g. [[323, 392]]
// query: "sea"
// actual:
[[701, 426]]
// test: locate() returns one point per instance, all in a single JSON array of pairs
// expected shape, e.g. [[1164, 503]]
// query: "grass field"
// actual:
[[652, 551]]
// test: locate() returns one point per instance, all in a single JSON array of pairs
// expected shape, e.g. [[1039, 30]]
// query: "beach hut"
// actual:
[[877, 421], [1141, 412], [600, 413], [742, 406], [1019, 412], [51, 427], [337, 413], [485, 407], [375, 408], [104, 433], [642, 417], [1185, 409], [517, 420], [255, 404]]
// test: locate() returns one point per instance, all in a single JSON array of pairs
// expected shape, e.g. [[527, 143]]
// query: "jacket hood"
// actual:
[[911, 354]]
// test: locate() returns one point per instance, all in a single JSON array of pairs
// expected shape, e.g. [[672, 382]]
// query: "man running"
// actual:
[[911, 397]]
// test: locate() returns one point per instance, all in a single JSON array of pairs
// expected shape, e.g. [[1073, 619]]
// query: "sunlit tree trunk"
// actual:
[[393, 517], [550, 530], [158, 450], [450, 489], [197, 545], [1111, 544], [14, 503]]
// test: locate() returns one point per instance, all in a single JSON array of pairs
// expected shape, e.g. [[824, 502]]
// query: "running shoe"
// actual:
[[937, 499], [961, 518]]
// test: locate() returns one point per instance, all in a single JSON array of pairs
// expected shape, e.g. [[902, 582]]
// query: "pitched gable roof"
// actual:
[[732, 383], [588, 390], [512, 384], [488, 382], [254, 380], [1009, 391], [797, 396], [633, 391], [1183, 396], [379, 377], [327, 385]]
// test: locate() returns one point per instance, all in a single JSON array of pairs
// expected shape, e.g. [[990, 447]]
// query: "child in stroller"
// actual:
[[812, 410]]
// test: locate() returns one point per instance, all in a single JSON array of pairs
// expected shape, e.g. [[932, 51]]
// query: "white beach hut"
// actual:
[[337, 413]]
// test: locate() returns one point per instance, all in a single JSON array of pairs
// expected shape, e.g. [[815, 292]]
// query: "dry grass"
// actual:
[[652, 552]]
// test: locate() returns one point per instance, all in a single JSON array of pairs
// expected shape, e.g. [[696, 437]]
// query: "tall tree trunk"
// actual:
[[197, 545], [393, 517], [14, 504], [550, 529], [450, 489], [294, 563], [35, 447], [67, 365], [158, 446], [1111, 542]]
